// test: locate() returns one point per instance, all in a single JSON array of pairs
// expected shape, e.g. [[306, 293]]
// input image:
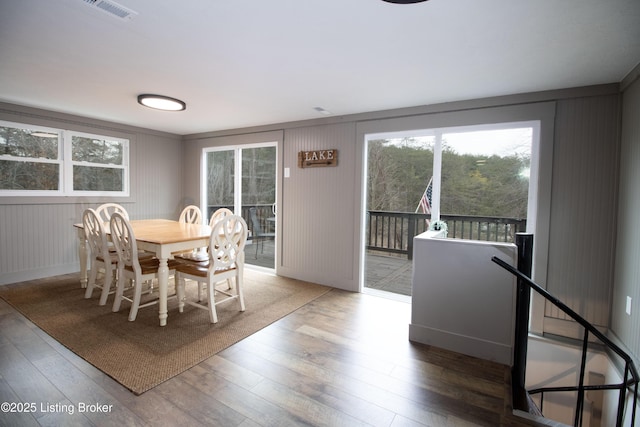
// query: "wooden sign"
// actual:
[[317, 158]]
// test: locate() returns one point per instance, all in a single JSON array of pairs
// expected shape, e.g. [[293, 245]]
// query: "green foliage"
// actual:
[[471, 184], [396, 175]]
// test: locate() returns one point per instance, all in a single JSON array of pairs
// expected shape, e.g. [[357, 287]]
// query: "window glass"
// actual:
[[36, 161], [485, 173], [220, 178], [97, 150], [475, 178], [258, 176], [485, 182], [87, 178], [31, 143], [29, 175], [399, 170]]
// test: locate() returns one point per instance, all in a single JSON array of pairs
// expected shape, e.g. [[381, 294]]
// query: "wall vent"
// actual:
[[112, 8]]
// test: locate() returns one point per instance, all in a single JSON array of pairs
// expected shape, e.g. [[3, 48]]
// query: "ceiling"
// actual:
[[240, 63]]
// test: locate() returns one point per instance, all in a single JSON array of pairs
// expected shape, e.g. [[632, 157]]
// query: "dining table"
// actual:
[[162, 237]]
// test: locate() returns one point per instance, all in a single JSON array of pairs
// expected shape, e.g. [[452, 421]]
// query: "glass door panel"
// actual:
[[243, 179], [485, 174], [399, 169], [258, 198], [220, 170]]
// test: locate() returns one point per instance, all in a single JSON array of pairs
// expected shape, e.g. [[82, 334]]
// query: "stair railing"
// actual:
[[630, 377]]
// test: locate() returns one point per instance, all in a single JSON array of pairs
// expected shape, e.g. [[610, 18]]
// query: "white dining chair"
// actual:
[[102, 258], [218, 214], [131, 268], [105, 211], [226, 261], [201, 255], [191, 214]]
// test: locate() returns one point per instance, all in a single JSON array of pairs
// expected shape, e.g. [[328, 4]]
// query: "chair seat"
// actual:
[[142, 255], [150, 265], [199, 269], [226, 263], [113, 257], [193, 256]]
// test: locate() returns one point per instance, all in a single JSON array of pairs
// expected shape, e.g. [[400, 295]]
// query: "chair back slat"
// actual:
[[106, 210], [227, 242], [95, 234], [124, 240], [191, 214], [218, 215]]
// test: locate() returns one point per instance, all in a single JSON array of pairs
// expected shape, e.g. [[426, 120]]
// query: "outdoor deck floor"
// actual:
[[389, 273]]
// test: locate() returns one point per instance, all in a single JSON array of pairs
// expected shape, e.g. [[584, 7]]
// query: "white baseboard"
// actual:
[[495, 352], [23, 276]]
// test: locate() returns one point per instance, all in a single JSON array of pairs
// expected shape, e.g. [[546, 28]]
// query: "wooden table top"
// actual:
[[165, 231]]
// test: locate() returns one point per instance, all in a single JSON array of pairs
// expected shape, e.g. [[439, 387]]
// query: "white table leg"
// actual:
[[83, 256], [163, 285]]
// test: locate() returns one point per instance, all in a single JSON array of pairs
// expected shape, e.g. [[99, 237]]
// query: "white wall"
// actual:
[[461, 300]]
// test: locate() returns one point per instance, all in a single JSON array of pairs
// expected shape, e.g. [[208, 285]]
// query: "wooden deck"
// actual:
[[384, 272], [389, 273]]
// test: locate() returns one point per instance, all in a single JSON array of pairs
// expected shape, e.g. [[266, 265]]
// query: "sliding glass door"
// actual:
[[243, 179], [475, 179]]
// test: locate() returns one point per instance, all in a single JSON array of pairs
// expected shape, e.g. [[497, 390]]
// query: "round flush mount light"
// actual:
[[404, 1], [160, 102]]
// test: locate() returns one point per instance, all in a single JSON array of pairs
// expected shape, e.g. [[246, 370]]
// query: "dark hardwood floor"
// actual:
[[342, 360]]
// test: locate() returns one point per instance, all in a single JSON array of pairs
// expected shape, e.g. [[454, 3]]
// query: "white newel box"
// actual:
[[461, 300]]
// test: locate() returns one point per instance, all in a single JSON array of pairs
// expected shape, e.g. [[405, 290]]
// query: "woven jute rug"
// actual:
[[141, 354]]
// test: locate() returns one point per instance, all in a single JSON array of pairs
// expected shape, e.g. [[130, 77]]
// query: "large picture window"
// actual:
[[38, 161]]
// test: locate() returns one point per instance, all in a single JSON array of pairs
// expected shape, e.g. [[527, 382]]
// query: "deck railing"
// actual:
[[264, 212], [394, 231]]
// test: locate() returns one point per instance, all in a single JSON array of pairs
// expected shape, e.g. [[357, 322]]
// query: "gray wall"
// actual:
[[583, 215], [36, 233], [627, 266]]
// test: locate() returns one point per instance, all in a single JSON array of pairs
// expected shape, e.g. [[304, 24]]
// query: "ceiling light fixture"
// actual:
[[160, 102], [404, 1]]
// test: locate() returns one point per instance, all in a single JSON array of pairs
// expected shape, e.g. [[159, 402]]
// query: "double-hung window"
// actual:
[[39, 161]]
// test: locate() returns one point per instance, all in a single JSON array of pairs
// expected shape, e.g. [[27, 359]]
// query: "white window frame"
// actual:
[[66, 164], [70, 163], [237, 159]]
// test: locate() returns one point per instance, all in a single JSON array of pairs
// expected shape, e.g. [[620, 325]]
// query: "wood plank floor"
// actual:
[[342, 360]]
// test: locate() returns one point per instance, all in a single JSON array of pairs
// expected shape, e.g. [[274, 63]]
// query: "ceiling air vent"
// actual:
[[112, 8]]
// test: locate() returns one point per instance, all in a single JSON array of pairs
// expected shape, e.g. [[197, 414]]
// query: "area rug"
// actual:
[[141, 354]]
